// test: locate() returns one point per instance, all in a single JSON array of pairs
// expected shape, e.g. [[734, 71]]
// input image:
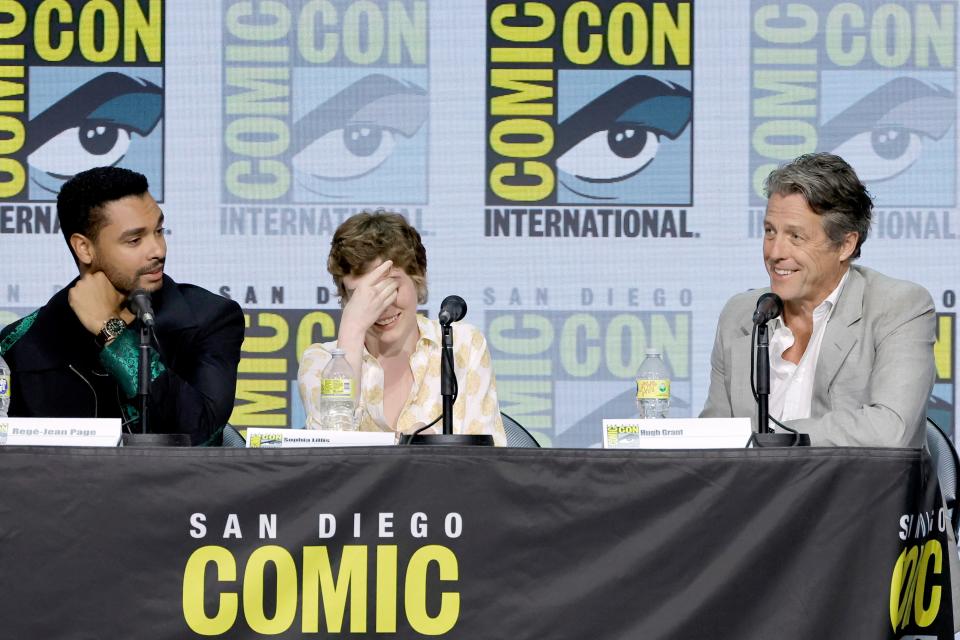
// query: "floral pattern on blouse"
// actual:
[[476, 410]]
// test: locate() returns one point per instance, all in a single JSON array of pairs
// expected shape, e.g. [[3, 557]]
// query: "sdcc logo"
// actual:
[[326, 102], [590, 103], [83, 88], [264, 441], [873, 82], [560, 373]]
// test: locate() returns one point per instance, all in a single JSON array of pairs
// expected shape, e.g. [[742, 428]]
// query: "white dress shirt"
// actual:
[[791, 385]]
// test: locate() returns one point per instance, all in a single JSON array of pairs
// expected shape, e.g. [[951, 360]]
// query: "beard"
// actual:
[[127, 283]]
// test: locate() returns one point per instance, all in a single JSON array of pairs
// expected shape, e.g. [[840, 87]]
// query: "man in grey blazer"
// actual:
[[851, 356]]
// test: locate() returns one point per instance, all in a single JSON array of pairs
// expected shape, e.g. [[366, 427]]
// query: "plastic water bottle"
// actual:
[[653, 386], [4, 388], [337, 394]]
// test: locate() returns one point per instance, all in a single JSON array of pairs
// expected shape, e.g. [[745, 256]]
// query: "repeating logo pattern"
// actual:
[[326, 102], [871, 81], [83, 86]]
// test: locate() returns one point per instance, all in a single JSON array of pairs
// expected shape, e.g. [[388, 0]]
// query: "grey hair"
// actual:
[[832, 189]]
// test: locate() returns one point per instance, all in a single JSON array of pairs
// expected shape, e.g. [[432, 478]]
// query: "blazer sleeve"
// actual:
[[199, 399], [719, 404]]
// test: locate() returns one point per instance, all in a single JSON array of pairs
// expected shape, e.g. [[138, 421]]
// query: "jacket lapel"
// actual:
[[838, 338]]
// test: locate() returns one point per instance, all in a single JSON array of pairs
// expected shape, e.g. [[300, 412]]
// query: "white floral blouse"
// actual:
[[476, 410]]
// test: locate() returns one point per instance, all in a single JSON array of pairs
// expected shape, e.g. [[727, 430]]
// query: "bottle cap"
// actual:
[[653, 351]]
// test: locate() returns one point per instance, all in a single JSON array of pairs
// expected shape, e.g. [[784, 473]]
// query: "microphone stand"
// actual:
[[143, 377], [763, 379], [765, 436], [447, 377], [145, 439], [448, 382]]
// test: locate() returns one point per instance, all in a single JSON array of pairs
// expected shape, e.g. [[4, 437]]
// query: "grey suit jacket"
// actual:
[[874, 374]]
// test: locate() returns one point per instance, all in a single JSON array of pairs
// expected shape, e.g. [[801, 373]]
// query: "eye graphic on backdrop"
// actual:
[[619, 134], [356, 131], [91, 126], [882, 134], [611, 155]]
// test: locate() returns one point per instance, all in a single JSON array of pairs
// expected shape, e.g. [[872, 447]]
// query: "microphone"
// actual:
[[769, 306], [452, 308], [139, 303]]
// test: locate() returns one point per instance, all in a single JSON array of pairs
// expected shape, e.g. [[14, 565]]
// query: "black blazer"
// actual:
[[56, 369]]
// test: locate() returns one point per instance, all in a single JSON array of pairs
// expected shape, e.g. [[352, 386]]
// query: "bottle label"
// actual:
[[4, 386], [653, 389], [336, 388]]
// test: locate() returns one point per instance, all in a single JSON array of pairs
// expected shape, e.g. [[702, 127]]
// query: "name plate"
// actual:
[[260, 438], [677, 433], [60, 432]]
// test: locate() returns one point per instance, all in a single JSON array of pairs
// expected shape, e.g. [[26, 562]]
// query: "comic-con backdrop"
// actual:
[[586, 174]]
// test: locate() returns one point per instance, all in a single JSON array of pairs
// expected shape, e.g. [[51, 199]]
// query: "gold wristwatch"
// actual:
[[112, 328]]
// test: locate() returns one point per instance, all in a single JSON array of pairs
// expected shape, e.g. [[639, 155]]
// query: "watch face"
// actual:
[[113, 328]]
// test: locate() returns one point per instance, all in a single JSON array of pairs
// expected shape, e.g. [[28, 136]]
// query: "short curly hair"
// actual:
[[367, 236], [82, 198]]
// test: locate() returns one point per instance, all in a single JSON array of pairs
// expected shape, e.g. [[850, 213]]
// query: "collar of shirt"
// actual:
[[821, 312], [791, 385]]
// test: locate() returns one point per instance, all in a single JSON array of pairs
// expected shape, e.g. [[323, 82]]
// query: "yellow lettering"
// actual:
[[902, 585], [522, 192], [363, 12], [138, 28], [110, 19], [13, 27], [843, 17], [253, 590], [239, 181], [319, 585], [258, 29], [926, 615], [42, 38], [935, 34], [588, 13], [527, 33], [770, 13], [640, 29], [943, 348], [526, 97], [193, 594], [676, 33], [415, 591], [256, 400], [13, 186], [886, 15], [386, 589], [525, 127], [17, 135], [306, 32]]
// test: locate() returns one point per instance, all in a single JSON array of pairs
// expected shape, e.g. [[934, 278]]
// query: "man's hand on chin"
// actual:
[[94, 300]]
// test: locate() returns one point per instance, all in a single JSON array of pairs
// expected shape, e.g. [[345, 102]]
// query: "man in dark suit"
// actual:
[[77, 355]]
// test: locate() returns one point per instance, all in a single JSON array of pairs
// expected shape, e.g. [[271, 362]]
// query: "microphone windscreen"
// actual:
[[452, 309], [769, 306], [139, 302]]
